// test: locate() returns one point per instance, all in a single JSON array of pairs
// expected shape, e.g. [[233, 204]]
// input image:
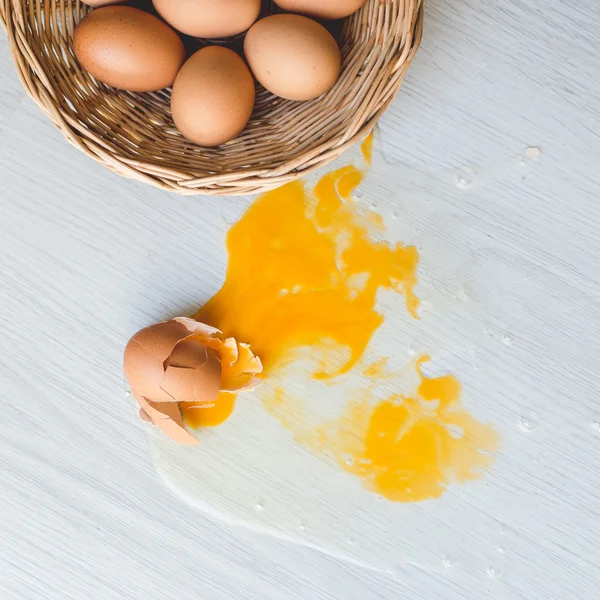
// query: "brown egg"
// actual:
[[165, 363], [209, 18], [322, 9], [99, 3], [213, 96], [292, 56], [128, 48]]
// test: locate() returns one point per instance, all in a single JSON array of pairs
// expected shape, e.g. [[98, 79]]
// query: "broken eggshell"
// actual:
[[183, 360]]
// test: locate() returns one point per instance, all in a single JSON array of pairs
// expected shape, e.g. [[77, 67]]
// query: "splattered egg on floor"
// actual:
[[304, 272]]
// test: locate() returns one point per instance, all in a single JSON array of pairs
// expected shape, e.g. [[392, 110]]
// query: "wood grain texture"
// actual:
[[510, 280], [11, 92]]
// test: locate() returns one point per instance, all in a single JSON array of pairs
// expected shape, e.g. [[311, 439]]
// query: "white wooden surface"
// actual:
[[509, 270]]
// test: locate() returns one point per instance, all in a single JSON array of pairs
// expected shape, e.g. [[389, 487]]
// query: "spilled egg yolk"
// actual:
[[302, 268], [411, 447], [211, 416], [305, 271]]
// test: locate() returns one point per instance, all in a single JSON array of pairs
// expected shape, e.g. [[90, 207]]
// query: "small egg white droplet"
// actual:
[[462, 182], [526, 425], [492, 573], [508, 339], [348, 459], [449, 561], [465, 178]]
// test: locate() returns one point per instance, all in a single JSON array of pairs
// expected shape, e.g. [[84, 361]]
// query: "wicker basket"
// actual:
[[133, 134]]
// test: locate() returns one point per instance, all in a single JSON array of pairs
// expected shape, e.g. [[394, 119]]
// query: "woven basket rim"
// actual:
[[37, 64]]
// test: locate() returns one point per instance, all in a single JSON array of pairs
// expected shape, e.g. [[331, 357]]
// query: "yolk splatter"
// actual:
[[304, 273], [412, 447], [303, 269], [366, 148], [209, 417]]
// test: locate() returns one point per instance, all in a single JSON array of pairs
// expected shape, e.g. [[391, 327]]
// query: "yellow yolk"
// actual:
[[293, 260], [212, 416], [410, 448], [304, 271]]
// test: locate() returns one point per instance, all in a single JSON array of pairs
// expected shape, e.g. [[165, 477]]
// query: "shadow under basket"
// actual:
[[133, 134]]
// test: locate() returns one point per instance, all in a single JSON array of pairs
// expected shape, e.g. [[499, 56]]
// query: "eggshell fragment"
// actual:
[[144, 416], [194, 326], [322, 9], [128, 49], [165, 364], [239, 364], [167, 417], [209, 18], [292, 56]]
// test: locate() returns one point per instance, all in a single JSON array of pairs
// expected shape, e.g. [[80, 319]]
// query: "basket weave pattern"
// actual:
[[133, 134]]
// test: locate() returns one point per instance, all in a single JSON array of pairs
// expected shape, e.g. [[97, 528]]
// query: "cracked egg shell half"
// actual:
[[183, 360], [164, 363]]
